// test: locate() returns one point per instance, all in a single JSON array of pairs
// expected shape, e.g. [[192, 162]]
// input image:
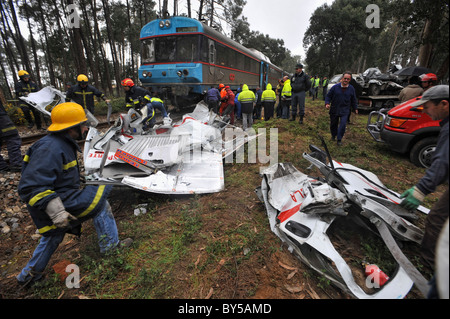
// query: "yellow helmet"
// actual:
[[82, 78], [22, 73], [66, 115]]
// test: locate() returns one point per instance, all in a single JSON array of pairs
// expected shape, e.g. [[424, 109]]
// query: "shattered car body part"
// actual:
[[301, 210], [184, 157], [45, 99]]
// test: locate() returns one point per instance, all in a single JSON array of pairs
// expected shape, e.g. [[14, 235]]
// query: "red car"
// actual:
[[406, 130]]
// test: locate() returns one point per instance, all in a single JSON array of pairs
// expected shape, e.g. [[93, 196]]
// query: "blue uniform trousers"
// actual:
[[108, 237]]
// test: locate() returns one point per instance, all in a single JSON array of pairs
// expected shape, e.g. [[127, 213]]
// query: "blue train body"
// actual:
[[182, 58]]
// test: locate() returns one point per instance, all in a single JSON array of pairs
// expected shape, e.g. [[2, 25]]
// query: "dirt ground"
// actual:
[[265, 274]]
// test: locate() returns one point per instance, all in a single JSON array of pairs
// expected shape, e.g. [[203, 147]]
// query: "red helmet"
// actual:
[[429, 77], [127, 82], [221, 86]]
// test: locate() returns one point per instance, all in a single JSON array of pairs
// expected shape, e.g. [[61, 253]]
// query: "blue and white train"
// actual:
[[182, 58]]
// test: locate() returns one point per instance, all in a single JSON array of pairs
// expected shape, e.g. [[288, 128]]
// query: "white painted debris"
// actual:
[[184, 157], [301, 209]]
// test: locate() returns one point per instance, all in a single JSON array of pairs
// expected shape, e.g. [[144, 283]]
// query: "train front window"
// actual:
[[171, 49], [148, 51], [187, 48]]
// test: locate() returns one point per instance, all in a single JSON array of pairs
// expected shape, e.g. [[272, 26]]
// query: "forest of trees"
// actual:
[[411, 32], [37, 36]]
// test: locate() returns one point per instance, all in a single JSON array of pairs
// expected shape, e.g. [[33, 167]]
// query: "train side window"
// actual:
[[211, 51], [231, 58], [240, 61], [221, 57], [247, 63]]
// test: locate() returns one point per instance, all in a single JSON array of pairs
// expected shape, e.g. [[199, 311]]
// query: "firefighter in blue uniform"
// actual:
[[83, 93], [50, 186], [133, 93], [24, 87], [10, 136]]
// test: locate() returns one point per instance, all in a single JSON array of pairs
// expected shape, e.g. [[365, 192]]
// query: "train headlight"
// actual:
[[167, 23], [161, 24], [179, 73]]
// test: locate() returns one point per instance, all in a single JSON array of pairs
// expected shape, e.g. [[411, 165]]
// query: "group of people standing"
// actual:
[[244, 104]]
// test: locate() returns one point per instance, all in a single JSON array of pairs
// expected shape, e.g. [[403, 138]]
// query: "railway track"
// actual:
[[30, 139]]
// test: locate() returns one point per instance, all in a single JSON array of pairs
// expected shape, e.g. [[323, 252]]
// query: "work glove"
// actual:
[[58, 214], [413, 197]]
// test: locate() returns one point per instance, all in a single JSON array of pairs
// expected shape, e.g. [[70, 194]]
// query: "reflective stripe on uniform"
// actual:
[[70, 165], [94, 203], [8, 129], [153, 115], [46, 229], [40, 196], [84, 93]]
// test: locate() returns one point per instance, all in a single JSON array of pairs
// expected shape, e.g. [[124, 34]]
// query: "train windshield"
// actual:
[[171, 49]]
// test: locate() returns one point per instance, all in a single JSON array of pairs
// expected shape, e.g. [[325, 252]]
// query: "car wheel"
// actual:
[[374, 89], [422, 152]]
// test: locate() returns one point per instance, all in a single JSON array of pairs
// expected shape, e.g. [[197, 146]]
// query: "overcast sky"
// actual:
[[280, 19], [283, 19]]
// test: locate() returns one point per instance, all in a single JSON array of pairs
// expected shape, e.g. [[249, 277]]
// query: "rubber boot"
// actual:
[[301, 120], [293, 117]]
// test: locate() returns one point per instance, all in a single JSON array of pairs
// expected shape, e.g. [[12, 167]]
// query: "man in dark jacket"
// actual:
[[213, 99], [9, 135], [435, 103], [83, 93], [24, 87], [300, 84], [342, 98], [133, 93]]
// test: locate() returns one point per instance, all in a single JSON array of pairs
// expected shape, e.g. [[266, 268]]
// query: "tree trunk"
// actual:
[[391, 52], [426, 47], [189, 8], [443, 70], [165, 12], [129, 30], [111, 44], [97, 38], [79, 52], [211, 18], [21, 44], [13, 65], [47, 48], [37, 70], [200, 10], [92, 48]]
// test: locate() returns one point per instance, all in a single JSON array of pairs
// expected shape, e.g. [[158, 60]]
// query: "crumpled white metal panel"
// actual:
[[45, 99], [197, 174], [284, 190]]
